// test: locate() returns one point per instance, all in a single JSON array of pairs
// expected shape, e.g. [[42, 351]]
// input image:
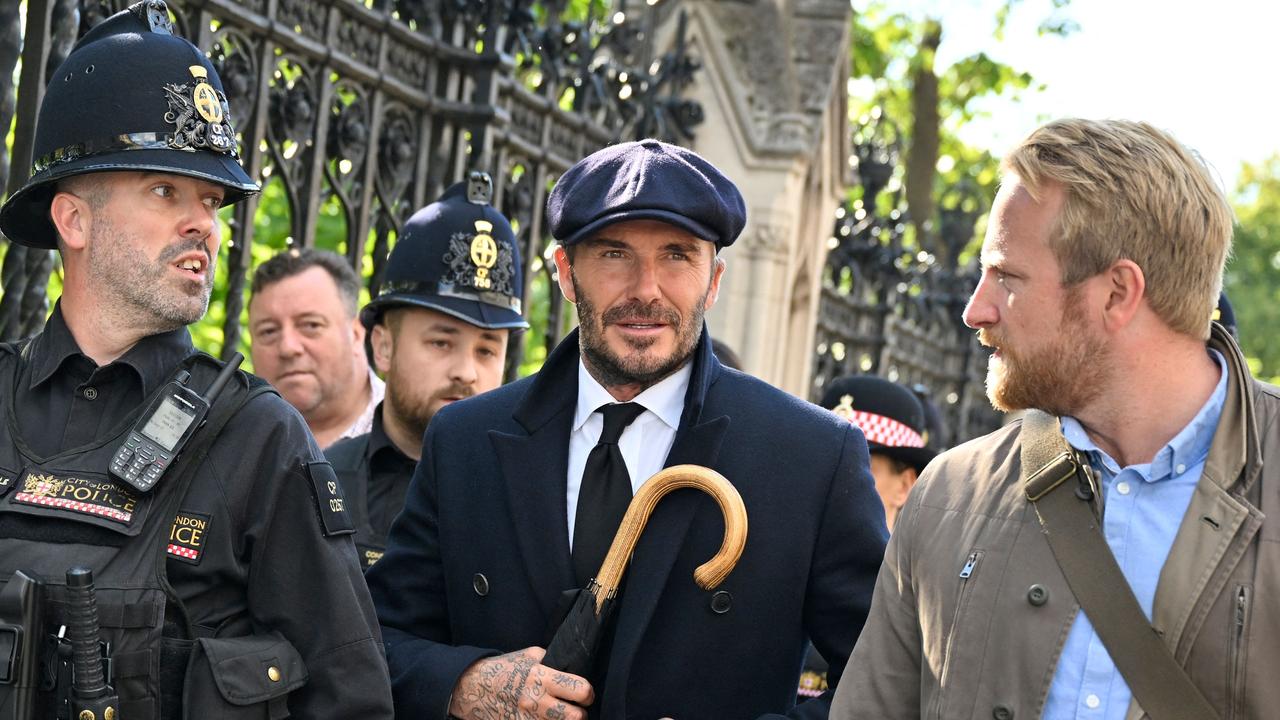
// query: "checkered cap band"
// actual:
[[885, 431]]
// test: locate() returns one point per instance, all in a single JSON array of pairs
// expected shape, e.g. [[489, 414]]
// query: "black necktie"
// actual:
[[604, 493]]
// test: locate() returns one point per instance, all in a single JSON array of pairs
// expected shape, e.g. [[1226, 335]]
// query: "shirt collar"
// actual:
[[1189, 447], [153, 358], [664, 399], [377, 436], [380, 451]]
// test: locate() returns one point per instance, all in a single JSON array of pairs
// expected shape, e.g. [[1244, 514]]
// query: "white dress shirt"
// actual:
[[364, 423], [644, 443]]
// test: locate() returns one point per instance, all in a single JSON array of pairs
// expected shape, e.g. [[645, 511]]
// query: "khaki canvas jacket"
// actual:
[[971, 611]]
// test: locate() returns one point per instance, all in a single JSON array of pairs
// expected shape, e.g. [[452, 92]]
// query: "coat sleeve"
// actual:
[[849, 548], [408, 591], [307, 585], [883, 675]]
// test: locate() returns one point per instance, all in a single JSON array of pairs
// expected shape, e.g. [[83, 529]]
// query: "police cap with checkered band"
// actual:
[[458, 256], [131, 95], [888, 414]]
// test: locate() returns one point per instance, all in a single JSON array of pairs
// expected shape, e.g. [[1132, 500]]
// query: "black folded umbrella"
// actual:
[[574, 646]]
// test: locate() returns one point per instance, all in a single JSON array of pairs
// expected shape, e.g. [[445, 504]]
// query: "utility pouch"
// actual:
[[20, 646], [242, 678]]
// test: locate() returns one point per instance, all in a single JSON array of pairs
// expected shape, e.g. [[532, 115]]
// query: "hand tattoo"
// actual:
[[567, 681], [507, 688]]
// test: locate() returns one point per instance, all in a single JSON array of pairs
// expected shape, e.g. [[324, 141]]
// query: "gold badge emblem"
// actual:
[[484, 253], [42, 485], [845, 408], [204, 97]]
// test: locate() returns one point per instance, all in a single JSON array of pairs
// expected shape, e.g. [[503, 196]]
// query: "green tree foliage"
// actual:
[[894, 53], [1255, 265]]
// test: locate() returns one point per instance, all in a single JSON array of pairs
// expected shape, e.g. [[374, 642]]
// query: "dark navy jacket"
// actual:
[[478, 561]]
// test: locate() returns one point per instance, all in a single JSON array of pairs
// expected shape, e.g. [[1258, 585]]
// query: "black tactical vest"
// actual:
[[65, 510]]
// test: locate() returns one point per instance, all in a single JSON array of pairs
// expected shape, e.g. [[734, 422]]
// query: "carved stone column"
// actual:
[[772, 88]]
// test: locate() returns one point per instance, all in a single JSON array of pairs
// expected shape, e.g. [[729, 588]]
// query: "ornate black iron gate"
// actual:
[[377, 106], [894, 311]]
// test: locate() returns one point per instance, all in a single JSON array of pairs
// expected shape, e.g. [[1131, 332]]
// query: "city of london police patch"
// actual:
[[199, 114], [100, 498], [186, 537]]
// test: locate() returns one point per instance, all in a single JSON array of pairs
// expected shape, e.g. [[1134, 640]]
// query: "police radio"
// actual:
[[158, 437]]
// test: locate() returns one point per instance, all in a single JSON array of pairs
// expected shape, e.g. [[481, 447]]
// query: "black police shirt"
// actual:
[[389, 474], [62, 388], [261, 559]]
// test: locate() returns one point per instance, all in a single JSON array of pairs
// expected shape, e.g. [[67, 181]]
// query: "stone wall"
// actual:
[[772, 87]]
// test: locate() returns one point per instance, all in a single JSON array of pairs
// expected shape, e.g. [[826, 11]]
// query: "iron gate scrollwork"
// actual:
[[895, 311], [367, 110]]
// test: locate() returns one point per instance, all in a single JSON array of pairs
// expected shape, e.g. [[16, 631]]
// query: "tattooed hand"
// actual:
[[516, 687]]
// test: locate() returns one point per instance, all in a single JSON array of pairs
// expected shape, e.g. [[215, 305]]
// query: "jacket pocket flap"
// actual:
[[254, 669]]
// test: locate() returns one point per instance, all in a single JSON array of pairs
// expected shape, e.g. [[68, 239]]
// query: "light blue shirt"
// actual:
[[1144, 505]]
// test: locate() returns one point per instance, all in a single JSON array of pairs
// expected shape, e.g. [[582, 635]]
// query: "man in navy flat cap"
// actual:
[[520, 490]]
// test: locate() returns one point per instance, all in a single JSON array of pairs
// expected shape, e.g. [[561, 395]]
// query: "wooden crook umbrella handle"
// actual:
[[708, 575]]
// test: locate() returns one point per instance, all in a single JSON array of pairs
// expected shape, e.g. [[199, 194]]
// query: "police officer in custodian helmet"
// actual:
[[217, 536], [439, 328]]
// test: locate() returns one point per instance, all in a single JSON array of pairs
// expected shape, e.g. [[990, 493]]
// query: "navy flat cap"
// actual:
[[645, 180]]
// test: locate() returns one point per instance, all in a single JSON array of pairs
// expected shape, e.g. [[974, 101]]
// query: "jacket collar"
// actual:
[[1220, 523], [1235, 444], [534, 467], [547, 397]]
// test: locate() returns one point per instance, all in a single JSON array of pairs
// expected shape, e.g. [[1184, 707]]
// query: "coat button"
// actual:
[[721, 602], [273, 673], [480, 584], [1002, 712], [1037, 594]]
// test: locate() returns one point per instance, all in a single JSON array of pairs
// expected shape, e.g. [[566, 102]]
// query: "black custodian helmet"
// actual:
[[457, 256], [131, 95]]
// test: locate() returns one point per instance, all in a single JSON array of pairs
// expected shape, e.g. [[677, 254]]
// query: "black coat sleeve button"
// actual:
[[721, 602], [480, 584], [1037, 595]]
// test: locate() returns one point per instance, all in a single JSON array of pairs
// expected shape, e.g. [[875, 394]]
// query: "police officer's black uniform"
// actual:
[[375, 477], [230, 589], [457, 256]]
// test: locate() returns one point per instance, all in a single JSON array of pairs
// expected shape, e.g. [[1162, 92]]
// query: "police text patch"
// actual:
[[186, 537], [368, 555], [100, 498], [329, 501]]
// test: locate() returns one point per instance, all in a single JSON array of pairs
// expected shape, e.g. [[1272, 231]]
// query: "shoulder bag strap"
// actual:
[[1161, 686]]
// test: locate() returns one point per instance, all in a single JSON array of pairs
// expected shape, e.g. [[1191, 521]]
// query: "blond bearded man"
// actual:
[[1101, 267]]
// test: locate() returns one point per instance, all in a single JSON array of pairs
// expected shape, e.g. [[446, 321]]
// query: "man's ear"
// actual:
[[383, 348], [72, 217], [901, 488], [713, 292], [1125, 286], [564, 270]]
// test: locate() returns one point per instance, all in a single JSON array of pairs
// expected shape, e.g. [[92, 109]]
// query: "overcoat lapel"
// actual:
[[535, 467], [697, 442]]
